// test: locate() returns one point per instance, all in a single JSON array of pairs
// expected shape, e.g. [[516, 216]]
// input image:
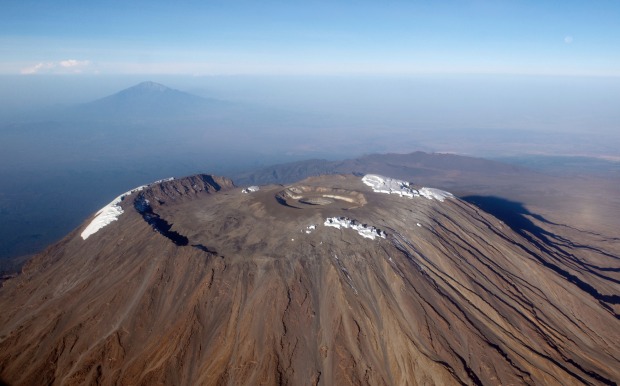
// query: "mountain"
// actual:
[[336, 279], [413, 165], [149, 100], [587, 202]]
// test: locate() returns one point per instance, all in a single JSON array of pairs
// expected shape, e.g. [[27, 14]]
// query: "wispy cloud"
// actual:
[[74, 63], [568, 39], [43, 66], [63, 66]]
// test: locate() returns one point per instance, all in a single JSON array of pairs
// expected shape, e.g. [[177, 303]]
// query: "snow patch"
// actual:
[[160, 181], [110, 212], [251, 189], [437, 194], [363, 230], [310, 228], [381, 184]]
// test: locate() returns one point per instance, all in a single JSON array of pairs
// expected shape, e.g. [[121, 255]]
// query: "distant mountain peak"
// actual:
[[149, 100], [148, 86]]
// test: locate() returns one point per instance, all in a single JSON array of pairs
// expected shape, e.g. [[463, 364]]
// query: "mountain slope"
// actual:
[[325, 281]]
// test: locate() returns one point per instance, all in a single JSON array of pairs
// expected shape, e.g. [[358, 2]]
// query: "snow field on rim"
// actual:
[[112, 211]]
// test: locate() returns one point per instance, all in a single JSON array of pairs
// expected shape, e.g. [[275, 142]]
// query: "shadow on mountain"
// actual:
[[204, 248], [518, 218], [157, 223], [512, 213]]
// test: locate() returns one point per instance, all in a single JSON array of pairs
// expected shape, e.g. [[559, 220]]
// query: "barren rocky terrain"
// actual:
[[324, 281]]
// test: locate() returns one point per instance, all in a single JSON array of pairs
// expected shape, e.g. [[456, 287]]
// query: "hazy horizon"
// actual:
[[346, 69], [313, 116]]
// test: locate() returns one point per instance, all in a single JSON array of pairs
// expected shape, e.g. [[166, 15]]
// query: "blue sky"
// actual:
[[310, 37]]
